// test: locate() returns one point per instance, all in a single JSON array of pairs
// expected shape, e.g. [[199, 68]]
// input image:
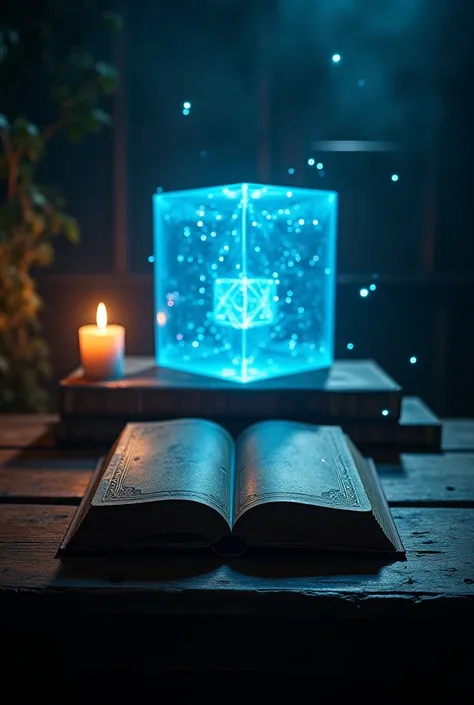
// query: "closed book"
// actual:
[[418, 428], [350, 389]]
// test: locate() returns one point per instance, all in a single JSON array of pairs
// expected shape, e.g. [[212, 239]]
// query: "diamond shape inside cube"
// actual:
[[244, 303], [245, 280]]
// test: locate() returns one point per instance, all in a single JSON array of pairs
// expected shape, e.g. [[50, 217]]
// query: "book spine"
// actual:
[[150, 403]]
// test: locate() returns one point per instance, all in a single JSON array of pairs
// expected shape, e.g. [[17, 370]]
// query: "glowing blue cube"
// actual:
[[245, 280]]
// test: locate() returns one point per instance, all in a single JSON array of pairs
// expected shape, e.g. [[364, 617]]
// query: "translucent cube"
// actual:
[[245, 280]]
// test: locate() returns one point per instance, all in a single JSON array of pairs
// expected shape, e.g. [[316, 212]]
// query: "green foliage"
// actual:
[[31, 215]]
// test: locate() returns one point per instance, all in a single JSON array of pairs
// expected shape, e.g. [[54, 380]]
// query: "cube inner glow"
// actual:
[[245, 280]]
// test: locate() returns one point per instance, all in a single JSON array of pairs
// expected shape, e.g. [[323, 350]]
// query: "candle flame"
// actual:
[[101, 317]]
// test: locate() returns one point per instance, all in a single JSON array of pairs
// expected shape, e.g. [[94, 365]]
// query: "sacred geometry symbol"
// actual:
[[244, 303]]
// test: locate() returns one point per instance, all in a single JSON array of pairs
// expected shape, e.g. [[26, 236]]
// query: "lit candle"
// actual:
[[102, 348]]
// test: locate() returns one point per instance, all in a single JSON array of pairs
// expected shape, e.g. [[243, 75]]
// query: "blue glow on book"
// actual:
[[245, 280]]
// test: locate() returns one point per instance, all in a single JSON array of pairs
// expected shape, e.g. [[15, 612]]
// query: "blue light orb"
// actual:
[[395, 177], [350, 346], [413, 360], [187, 105], [336, 58], [319, 166], [385, 412], [245, 280], [151, 259], [372, 287], [311, 162], [364, 293], [291, 171]]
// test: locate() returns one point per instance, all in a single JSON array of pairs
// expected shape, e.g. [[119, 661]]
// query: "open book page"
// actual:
[[285, 461], [183, 459]]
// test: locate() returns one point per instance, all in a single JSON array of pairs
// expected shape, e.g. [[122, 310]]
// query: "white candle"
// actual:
[[102, 348]]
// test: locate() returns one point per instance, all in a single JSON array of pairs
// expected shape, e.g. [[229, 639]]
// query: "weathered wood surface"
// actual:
[[432, 499], [458, 434], [27, 430], [440, 561], [429, 480], [34, 476], [43, 486]]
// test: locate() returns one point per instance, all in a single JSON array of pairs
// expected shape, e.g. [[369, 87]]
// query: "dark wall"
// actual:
[[265, 95]]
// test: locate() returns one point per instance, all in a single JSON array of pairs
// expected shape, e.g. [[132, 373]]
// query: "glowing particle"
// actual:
[[413, 360], [336, 58], [195, 344], [289, 194], [161, 318], [199, 223], [187, 105], [350, 346], [385, 412], [291, 171], [394, 177], [372, 287], [364, 293], [151, 259], [311, 162], [319, 166]]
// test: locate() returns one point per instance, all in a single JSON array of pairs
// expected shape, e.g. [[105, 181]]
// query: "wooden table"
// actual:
[[361, 617]]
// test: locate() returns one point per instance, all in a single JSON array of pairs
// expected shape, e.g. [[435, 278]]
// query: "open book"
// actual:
[[186, 483]]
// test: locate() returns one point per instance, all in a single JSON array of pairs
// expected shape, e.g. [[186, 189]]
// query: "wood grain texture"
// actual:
[[27, 430], [439, 569], [43, 486], [458, 434]]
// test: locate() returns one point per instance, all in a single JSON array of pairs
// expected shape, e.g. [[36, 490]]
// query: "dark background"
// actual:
[[265, 96]]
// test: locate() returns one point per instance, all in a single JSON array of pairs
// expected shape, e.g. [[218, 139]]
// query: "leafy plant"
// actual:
[[42, 47]]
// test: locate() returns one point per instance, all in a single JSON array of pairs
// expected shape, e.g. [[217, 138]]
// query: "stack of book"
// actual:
[[356, 395]]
